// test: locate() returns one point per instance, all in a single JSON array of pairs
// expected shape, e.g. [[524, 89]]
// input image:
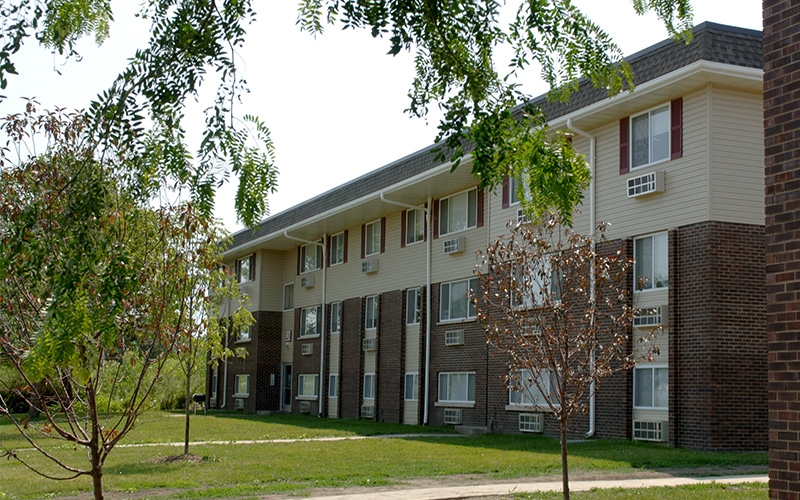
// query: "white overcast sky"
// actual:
[[334, 104]]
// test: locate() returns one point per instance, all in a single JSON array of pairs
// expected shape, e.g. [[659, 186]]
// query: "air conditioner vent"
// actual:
[[367, 411], [368, 344], [530, 422], [652, 182], [305, 406], [454, 245], [307, 281], [454, 337], [649, 430], [651, 317], [369, 266], [308, 349], [453, 416], [238, 404]]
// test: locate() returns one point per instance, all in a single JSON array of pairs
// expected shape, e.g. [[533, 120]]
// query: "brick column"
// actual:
[[782, 171]]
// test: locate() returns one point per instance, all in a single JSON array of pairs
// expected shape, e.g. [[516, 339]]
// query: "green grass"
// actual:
[[716, 491], [231, 470]]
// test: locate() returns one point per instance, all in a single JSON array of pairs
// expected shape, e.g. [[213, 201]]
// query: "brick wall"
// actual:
[[391, 357], [304, 364], [268, 369], [351, 358], [717, 340], [782, 168]]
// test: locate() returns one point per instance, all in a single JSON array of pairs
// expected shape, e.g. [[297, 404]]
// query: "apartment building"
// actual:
[[360, 295]]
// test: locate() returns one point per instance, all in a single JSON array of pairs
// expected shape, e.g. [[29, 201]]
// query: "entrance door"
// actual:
[[286, 387]]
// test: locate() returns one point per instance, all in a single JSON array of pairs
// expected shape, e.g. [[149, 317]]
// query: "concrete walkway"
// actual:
[[483, 490]]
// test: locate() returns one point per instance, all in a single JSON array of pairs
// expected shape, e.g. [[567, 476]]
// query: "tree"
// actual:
[[561, 312], [98, 288]]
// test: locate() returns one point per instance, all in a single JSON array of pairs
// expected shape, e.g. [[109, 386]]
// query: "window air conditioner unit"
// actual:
[[367, 411], [648, 430], [454, 245], [305, 406], [238, 404], [307, 281], [368, 344], [531, 422], [308, 349], [454, 337], [649, 183], [369, 266], [453, 416], [651, 317]]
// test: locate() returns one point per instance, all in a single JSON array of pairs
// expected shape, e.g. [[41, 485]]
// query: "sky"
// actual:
[[334, 104]]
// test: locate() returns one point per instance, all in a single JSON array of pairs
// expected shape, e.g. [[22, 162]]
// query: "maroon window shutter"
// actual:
[[676, 128], [506, 194], [624, 145], [480, 208], [252, 267], [345, 246], [435, 219], [383, 234], [363, 240], [298, 261], [403, 217]]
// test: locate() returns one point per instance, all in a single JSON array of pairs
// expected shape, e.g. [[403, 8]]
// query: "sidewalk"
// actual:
[[484, 490]]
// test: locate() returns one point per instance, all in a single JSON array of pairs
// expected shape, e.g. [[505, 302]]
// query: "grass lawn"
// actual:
[[746, 491], [235, 469]]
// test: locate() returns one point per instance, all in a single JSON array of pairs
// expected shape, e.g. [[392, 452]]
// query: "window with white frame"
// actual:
[[371, 313], [241, 385], [413, 305], [336, 317], [513, 190], [650, 262], [650, 137], [457, 387], [369, 386], [535, 284], [288, 296], [458, 212], [523, 391], [372, 238], [415, 226], [651, 387], [337, 248], [333, 385], [310, 321], [245, 269], [308, 385], [454, 298], [310, 257], [244, 334], [411, 387]]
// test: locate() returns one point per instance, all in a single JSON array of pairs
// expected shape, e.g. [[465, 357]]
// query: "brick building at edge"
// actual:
[[360, 294]]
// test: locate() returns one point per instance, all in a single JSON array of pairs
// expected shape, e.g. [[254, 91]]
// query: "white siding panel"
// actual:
[[410, 411], [270, 295]]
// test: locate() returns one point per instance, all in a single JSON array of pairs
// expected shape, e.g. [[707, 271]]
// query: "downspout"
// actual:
[[322, 392], [592, 225], [427, 210]]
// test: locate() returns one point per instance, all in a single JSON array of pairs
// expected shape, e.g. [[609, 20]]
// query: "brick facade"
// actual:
[[268, 362], [717, 339], [351, 359], [391, 358], [781, 46]]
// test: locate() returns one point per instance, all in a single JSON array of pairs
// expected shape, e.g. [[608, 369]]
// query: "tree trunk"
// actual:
[[564, 467], [97, 480], [187, 407]]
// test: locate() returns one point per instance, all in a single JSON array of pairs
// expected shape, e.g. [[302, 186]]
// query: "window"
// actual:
[[308, 386], [458, 212], [412, 387], [369, 386], [650, 262], [336, 317], [288, 296], [333, 390], [310, 257], [372, 238], [246, 269], [414, 223], [244, 334], [371, 313], [337, 249], [513, 191], [454, 300], [413, 305], [535, 284], [651, 387], [650, 137], [524, 392], [241, 385], [457, 387], [310, 321]]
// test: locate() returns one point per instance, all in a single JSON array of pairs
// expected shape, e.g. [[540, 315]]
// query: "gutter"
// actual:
[[592, 225], [322, 392]]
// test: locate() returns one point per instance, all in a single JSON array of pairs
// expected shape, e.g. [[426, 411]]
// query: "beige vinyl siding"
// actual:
[[412, 365], [269, 296], [333, 362], [737, 158]]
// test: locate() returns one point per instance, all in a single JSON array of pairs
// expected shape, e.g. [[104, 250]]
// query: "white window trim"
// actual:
[[649, 129], [376, 223], [250, 272], [415, 382], [409, 230], [467, 227], [318, 312], [339, 235], [536, 405], [653, 367], [653, 288], [304, 249], [417, 292], [336, 319], [441, 306], [300, 386], [374, 300], [456, 401], [333, 385], [291, 284], [236, 385], [373, 385], [240, 338]]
